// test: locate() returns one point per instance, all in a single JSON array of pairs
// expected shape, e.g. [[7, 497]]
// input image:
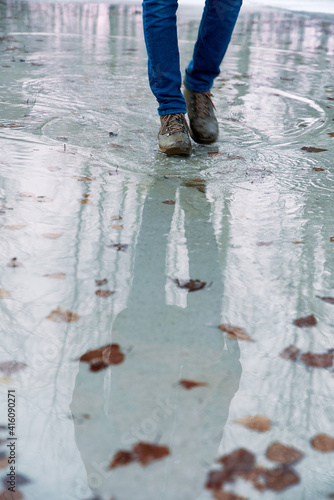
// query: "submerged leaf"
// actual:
[[4, 294], [323, 442], [117, 226], [329, 300], [52, 236], [191, 384], [258, 423], [239, 461], [101, 282], [103, 357], [226, 495], [306, 321], [57, 276], [104, 293], [120, 247], [142, 452], [283, 454], [235, 332], [60, 315], [311, 149], [280, 478], [10, 367], [190, 285], [324, 360], [14, 263], [291, 352], [169, 202]]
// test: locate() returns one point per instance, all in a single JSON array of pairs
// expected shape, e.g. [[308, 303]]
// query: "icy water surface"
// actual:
[[82, 192]]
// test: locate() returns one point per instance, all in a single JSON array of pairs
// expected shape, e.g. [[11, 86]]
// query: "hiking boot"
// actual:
[[203, 123], [174, 135]]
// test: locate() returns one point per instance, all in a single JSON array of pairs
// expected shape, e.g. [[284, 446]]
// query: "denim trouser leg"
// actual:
[[159, 20], [214, 35]]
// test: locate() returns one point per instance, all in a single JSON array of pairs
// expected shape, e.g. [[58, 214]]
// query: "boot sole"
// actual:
[[204, 141], [176, 150]]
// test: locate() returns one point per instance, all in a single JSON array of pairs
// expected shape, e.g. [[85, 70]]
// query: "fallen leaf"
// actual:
[[104, 356], [113, 134], [234, 332], [10, 367], [280, 478], [169, 202], [264, 243], [216, 153], [117, 226], [235, 157], [190, 384], [199, 184], [121, 458], [84, 178], [306, 321], [52, 236], [311, 149], [104, 293], [298, 242], [330, 98], [190, 285], [318, 169], [14, 263], [116, 217], [329, 300], [258, 423], [60, 315], [226, 495], [26, 194], [283, 454], [318, 360], [331, 239], [323, 442], [101, 282], [15, 227], [291, 352], [4, 294], [57, 276], [331, 134], [142, 452], [240, 460], [86, 201], [145, 453], [121, 247]]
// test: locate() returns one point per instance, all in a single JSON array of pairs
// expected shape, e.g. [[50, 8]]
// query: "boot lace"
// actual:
[[174, 123], [201, 103]]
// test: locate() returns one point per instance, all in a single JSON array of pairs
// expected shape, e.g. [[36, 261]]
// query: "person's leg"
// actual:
[[214, 35], [159, 21]]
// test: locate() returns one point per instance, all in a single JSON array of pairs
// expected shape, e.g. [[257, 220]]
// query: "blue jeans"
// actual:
[[214, 35]]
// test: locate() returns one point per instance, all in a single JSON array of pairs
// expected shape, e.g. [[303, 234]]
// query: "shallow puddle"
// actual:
[[106, 242]]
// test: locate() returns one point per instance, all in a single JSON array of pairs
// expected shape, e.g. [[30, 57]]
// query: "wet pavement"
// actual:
[[82, 192]]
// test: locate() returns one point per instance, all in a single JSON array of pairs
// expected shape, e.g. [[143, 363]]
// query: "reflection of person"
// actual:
[[217, 24]]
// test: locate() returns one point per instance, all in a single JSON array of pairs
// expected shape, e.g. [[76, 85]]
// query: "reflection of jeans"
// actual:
[[159, 16]]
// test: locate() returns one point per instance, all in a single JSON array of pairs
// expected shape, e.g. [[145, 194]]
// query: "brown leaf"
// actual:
[[52, 236], [239, 461], [234, 332], [117, 226], [280, 478], [120, 247], [331, 134], [4, 294], [104, 293], [311, 149], [264, 243], [57, 276], [190, 285], [84, 178], [199, 184], [121, 458], [101, 282], [10, 367], [15, 227], [330, 98], [14, 263], [298, 242], [258, 423], [323, 442], [169, 202], [235, 157], [86, 201], [329, 300], [283, 454], [60, 315], [291, 352], [331, 239], [191, 384], [145, 453], [318, 360], [116, 217], [110, 355], [306, 321], [318, 169], [226, 495], [216, 153]]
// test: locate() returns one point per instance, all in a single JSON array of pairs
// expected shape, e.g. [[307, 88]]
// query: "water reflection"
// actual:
[[81, 192]]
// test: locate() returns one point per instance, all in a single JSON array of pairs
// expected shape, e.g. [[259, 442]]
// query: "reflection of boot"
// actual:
[[174, 135], [203, 123]]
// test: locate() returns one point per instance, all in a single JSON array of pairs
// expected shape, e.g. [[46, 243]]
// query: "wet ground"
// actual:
[[82, 192]]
